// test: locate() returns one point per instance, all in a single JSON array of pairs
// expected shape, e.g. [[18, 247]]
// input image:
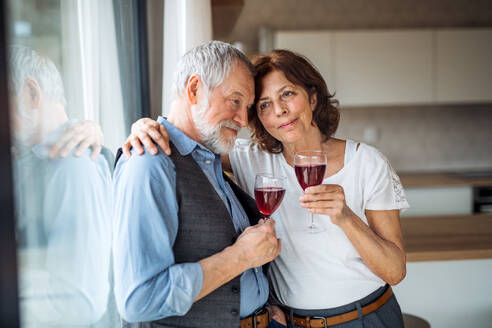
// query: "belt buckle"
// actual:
[[257, 312], [323, 318]]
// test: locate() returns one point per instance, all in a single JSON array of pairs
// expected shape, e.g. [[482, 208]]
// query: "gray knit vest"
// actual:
[[205, 228]]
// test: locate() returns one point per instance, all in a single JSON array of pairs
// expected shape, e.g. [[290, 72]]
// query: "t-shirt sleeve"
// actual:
[[383, 189]]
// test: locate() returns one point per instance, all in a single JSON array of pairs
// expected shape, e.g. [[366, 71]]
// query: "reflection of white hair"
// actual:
[[26, 63], [212, 61]]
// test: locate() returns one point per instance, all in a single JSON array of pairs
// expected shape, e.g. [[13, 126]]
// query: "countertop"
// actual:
[[437, 179], [442, 238]]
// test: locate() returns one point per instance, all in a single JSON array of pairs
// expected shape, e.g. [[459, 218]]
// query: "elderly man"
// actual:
[[62, 204], [185, 254]]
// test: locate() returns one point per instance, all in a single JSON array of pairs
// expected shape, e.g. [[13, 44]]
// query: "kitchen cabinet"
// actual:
[[317, 46], [371, 68], [439, 200], [464, 70], [383, 67], [448, 270]]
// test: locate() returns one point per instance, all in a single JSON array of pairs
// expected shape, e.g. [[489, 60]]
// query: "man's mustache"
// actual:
[[230, 125]]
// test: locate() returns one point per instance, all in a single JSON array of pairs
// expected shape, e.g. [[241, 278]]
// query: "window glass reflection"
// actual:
[[65, 104]]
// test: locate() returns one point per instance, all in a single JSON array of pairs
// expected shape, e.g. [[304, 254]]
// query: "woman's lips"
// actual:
[[288, 124]]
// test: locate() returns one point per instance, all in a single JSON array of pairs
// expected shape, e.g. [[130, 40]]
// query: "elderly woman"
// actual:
[[340, 276]]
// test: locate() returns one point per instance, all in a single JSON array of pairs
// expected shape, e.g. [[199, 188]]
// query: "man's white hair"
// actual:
[[26, 63], [212, 61]]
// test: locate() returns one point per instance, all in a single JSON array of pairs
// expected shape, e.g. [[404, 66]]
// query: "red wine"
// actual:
[[310, 175], [268, 199]]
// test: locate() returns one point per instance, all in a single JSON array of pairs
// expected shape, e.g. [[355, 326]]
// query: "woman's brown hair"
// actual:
[[298, 70]]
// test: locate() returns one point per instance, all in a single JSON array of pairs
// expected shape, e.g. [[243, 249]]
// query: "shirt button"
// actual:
[[208, 161], [234, 312], [235, 290], [256, 270]]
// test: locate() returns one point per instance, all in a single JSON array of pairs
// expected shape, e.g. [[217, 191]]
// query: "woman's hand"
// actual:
[[82, 134], [327, 199], [379, 242], [146, 131]]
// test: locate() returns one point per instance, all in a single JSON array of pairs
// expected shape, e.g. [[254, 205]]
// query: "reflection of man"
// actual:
[[175, 216], [62, 205]]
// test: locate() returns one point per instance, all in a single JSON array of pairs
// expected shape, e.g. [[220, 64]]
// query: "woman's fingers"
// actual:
[[323, 188], [126, 148], [83, 146], [164, 142], [96, 150], [307, 198], [146, 140], [322, 204], [71, 144], [137, 145], [61, 142]]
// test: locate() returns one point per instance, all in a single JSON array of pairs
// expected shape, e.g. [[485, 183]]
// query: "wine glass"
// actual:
[[269, 192], [310, 168]]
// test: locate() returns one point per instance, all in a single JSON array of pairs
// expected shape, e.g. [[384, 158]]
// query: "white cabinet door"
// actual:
[[317, 46], [439, 201], [464, 65], [383, 67]]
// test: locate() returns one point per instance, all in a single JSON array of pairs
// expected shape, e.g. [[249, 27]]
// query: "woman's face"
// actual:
[[285, 109]]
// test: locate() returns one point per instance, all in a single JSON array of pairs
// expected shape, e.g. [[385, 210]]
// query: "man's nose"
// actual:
[[241, 117]]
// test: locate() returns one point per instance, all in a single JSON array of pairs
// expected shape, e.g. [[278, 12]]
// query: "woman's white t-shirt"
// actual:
[[320, 271]]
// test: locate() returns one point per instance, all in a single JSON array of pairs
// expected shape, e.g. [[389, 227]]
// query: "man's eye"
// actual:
[[236, 101], [287, 93]]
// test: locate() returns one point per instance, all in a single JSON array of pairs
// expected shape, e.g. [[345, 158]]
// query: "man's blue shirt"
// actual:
[[149, 285]]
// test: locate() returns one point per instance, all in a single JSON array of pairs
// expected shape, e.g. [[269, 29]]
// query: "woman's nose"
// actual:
[[280, 108]]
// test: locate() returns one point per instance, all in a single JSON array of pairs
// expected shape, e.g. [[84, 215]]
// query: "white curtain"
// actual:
[[90, 66], [187, 23]]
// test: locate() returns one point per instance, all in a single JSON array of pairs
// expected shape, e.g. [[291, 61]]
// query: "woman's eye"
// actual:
[[262, 106]]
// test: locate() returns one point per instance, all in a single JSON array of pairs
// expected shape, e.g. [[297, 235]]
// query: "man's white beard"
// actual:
[[22, 137], [211, 135]]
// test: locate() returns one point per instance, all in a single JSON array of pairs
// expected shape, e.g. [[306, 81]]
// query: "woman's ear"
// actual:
[[313, 100], [31, 94], [192, 86]]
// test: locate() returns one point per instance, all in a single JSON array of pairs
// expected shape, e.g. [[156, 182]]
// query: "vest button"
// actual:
[[235, 290], [234, 312]]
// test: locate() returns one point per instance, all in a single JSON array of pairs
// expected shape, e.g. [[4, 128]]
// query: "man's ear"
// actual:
[[193, 87], [31, 94]]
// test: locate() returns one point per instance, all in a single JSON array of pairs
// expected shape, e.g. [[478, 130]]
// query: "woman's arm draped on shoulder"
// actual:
[[148, 132]]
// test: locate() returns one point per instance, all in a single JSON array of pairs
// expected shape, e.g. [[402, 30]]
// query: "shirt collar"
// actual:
[[42, 149], [184, 144]]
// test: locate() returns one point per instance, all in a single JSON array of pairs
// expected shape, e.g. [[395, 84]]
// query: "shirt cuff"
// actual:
[[188, 280]]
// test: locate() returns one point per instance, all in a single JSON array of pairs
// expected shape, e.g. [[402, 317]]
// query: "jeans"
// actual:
[[388, 315], [275, 324]]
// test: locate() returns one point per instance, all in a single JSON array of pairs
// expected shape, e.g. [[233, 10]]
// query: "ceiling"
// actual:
[[240, 20]]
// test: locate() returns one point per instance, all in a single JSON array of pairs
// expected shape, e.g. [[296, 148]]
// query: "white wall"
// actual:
[[448, 293]]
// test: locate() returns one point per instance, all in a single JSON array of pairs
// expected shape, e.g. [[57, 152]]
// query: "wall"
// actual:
[[425, 138]]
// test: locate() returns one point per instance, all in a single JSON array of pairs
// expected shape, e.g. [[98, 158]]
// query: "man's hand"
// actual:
[[146, 131], [82, 134], [258, 244]]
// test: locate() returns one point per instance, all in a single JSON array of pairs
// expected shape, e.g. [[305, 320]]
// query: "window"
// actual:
[[77, 75]]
